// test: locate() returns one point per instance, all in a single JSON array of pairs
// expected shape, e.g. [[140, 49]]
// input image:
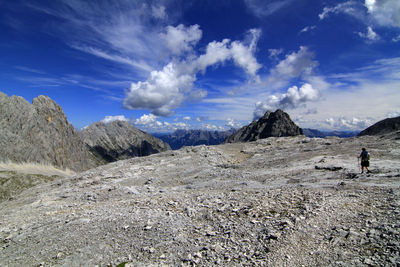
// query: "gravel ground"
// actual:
[[290, 201]]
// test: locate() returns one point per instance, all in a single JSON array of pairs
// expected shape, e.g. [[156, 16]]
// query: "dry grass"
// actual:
[[34, 168]]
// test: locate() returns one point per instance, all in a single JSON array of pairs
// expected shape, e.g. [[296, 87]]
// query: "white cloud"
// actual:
[[146, 119], [396, 39], [164, 91], [159, 12], [293, 98], [186, 118], [274, 53], [343, 123], [108, 119], [263, 9], [181, 39], [393, 114], [308, 28], [384, 12], [167, 89], [350, 7], [233, 123], [295, 64], [370, 34]]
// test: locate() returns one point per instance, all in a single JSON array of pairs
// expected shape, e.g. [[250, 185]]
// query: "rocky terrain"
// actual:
[[40, 133], [181, 138], [275, 124], [280, 201], [382, 127], [120, 140]]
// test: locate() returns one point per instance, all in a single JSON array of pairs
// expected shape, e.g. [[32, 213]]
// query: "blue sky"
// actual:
[[172, 64]]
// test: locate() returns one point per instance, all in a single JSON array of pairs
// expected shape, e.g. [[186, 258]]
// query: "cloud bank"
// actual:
[[166, 89]]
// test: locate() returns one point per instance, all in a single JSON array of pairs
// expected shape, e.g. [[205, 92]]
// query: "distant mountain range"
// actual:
[[181, 138], [312, 133]]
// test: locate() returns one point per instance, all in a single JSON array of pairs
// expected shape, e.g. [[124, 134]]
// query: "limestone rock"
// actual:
[[120, 140], [272, 124], [383, 127], [40, 133]]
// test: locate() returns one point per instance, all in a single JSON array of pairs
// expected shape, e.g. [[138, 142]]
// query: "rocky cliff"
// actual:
[[120, 140], [40, 133], [383, 127], [182, 138], [272, 124]]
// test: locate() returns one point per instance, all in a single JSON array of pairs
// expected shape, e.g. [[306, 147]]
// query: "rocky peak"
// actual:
[[277, 124], [40, 133], [120, 140], [383, 127]]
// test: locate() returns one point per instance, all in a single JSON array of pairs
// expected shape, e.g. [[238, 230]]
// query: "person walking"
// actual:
[[364, 156]]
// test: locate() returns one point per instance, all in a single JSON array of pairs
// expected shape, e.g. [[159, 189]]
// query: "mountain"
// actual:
[[182, 138], [322, 134], [40, 133], [277, 124], [120, 140], [382, 127]]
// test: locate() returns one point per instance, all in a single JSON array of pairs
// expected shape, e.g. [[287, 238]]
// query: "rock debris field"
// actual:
[[289, 201]]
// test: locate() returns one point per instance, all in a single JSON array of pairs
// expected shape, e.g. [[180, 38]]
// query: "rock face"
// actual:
[[383, 127], [272, 124], [40, 133], [120, 140], [182, 138]]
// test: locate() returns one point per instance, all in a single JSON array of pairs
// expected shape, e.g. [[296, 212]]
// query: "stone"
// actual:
[[40, 133], [120, 140], [276, 124]]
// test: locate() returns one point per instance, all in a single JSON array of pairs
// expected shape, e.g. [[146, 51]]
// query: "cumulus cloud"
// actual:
[[293, 98], [181, 39], [343, 123], [166, 89], [369, 35], [231, 123], [384, 12], [295, 64], [108, 119], [146, 119]]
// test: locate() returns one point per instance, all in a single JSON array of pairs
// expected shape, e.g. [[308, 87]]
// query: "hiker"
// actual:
[[364, 156]]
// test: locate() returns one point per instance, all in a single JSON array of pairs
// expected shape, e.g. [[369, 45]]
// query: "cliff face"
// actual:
[[272, 124], [120, 140], [383, 127], [40, 133]]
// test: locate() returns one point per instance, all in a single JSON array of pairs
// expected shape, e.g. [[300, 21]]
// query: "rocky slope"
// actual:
[[288, 201], [39, 132], [182, 138], [383, 127], [276, 124], [120, 140]]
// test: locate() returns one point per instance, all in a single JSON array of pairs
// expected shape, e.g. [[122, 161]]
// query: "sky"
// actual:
[[181, 64]]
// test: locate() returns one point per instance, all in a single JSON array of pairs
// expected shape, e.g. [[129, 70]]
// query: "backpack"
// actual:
[[365, 156]]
